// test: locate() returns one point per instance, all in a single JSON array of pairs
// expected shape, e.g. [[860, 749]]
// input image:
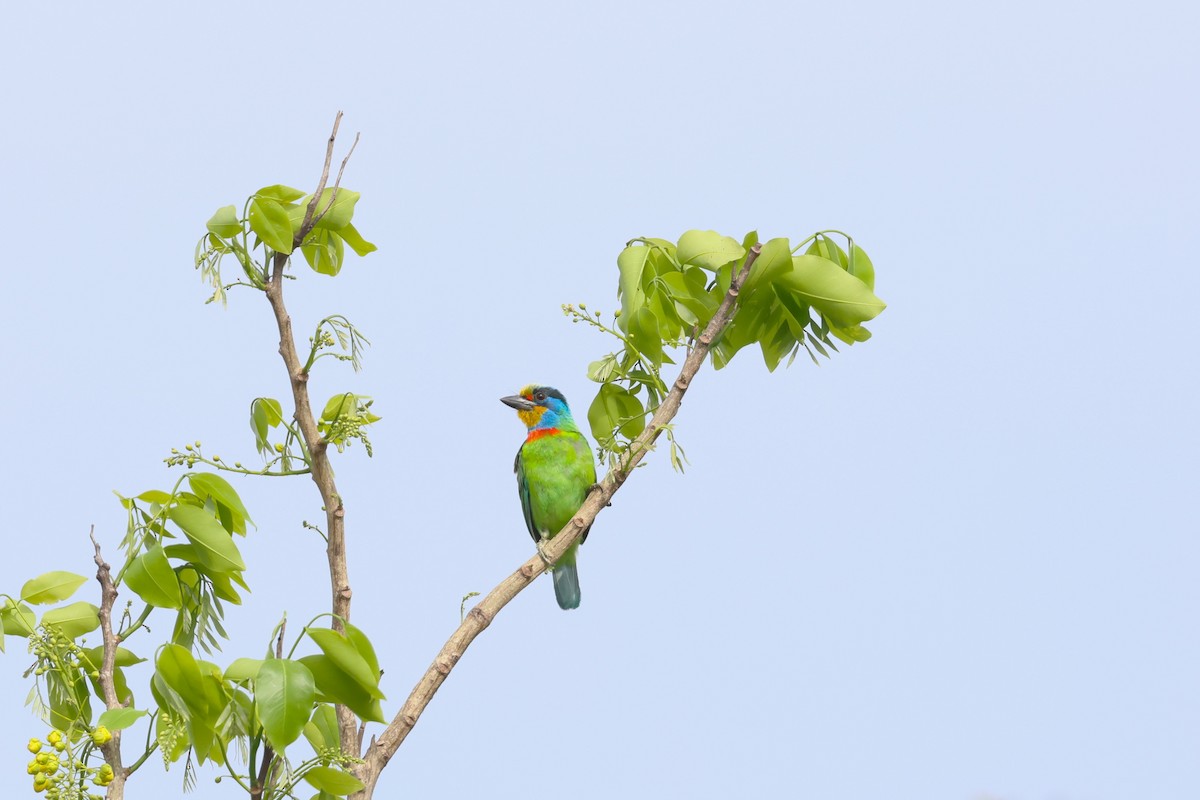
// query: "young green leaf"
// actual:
[[270, 221], [600, 371], [242, 669], [631, 263], [123, 658], [225, 223], [18, 619], [336, 686], [840, 297], [332, 780], [357, 243], [151, 578], [364, 647], [707, 249], [322, 729], [51, 587], [208, 484], [178, 669], [283, 694], [284, 194], [339, 214], [214, 545], [861, 266], [346, 657], [774, 260], [118, 719], [324, 252], [74, 620]]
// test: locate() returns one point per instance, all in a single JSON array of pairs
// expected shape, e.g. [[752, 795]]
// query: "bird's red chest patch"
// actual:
[[534, 435]]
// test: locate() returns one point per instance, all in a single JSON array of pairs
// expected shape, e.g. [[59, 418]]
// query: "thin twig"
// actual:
[[306, 225], [336, 184], [108, 597], [478, 618]]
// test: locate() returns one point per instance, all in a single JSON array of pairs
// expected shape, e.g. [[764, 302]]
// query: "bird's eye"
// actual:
[[540, 396]]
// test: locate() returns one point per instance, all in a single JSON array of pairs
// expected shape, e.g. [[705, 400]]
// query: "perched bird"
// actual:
[[555, 470]]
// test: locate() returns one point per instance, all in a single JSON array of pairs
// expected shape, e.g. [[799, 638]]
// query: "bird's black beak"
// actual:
[[518, 402]]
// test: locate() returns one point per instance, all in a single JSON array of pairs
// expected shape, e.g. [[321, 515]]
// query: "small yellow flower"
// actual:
[[101, 735], [34, 745]]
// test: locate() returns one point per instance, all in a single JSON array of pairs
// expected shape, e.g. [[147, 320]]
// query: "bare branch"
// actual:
[[108, 597], [306, 225], [337, 184], [385, 746]]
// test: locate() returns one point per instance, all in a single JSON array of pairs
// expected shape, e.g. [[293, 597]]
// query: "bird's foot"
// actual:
[[545, 558]]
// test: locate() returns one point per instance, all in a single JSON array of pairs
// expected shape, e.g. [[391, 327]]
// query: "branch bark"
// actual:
[[322, 472], [108, 597], [387, 743]]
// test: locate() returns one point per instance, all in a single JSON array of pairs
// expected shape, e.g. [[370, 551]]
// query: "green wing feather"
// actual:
[[523, 490]]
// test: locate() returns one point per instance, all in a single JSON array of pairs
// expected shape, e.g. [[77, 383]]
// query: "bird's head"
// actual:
[[541, 408]]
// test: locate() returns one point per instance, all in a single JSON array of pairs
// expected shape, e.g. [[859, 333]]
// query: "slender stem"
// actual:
[[322, 472], [478, 618]]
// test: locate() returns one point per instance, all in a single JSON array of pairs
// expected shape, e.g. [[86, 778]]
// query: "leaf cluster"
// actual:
[[670, 291], [269, 223]]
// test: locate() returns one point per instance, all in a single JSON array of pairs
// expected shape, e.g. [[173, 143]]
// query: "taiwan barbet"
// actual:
[[555, 471]]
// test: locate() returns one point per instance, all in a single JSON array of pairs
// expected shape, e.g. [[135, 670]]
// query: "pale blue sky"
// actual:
[[959, 561]]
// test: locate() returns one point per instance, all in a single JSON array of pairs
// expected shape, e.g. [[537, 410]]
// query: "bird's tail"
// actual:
[[566, 581]]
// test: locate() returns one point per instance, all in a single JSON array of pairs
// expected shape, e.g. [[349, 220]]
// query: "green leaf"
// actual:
[[207, 484], [860, 266], [346, 657], [364, 647], [283, 694], [600, 371], [242, 669], [357, 243], [270, 221], [284, 194], [151, 577], [644, 333], [334, 781], [265, 413], [614, 406], [707, 249], [51, 587], [18, 619], [74, 620], [155, 496], [825, 247], [342, 211], [214, 546], [774, 260], [837, 295], [118, 719], [225, 223], [322, 729], [178, 669], [69, 701], [323, 251], [338, 687], [631, 263], [122, 658]]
